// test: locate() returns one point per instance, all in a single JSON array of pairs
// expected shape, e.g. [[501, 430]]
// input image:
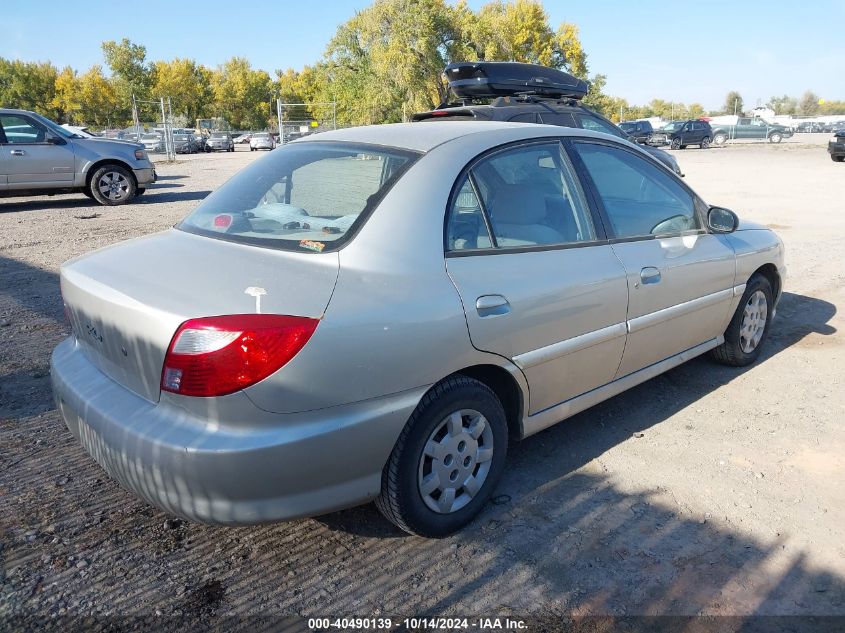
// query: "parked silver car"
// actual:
[[374, 313], [153, 142], [261, 140], [220, 141], [38, 156]]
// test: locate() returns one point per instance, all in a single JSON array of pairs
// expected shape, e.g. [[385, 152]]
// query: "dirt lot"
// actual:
[[707, 490]]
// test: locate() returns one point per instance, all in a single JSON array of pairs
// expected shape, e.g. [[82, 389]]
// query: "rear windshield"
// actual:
[[303, 196]]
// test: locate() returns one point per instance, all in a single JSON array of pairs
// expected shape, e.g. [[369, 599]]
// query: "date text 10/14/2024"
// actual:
[[417, 624]]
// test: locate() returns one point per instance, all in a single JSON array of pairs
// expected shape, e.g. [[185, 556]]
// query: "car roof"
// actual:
[[422, 138], [14, 111]]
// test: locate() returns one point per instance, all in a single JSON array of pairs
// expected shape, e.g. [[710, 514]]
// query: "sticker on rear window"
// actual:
[[312, 245]]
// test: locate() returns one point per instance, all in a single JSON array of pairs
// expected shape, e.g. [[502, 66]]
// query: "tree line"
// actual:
[[381, 65]]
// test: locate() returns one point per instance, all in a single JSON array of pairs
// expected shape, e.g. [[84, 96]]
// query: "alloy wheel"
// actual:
[[113, 185]]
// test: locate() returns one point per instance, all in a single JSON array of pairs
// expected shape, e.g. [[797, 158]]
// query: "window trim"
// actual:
[[34, 122], [595, 199], [598, 225]]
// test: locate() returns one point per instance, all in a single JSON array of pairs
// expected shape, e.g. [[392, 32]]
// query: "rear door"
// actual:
[[539, 283], [30, 159], [680, 277]]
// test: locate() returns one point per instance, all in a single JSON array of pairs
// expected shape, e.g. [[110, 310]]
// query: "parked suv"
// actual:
[[640, 131], [679, 134], [38, 156], [527, 97]]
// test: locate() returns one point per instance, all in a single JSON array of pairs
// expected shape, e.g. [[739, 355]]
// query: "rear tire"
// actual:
[[447, 460], [749, 326], [705, 142], [720, 138], [112, 185]]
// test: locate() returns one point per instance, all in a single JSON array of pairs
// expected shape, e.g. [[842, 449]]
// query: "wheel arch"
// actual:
[[108, 161], [506, 388], [770, 272]]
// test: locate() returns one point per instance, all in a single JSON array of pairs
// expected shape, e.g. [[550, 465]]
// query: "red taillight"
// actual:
[[215, 356]]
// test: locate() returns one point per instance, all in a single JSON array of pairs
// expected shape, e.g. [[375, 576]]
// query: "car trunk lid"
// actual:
[[125, 302]]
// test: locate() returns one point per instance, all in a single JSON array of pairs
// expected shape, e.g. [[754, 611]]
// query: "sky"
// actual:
[[677, 51]]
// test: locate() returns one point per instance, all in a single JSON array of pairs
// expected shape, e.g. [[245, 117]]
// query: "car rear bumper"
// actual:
[[836, 149], [263, 467], [145, 176]]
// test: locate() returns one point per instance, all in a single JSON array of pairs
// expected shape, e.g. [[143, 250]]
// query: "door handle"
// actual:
[[650, 275], [492, 305], [17, 152]]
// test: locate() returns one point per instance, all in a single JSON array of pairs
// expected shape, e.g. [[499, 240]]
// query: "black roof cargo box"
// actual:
[[470, 80]]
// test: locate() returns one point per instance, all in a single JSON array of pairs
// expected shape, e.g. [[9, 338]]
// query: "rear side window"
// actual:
[[304, 196], [563, 119], [640, 198], [525, 196], [525, 117], [595, 124]]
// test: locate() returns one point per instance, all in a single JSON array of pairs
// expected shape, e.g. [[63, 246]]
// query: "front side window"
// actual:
[[640, 198], [22, 130], [304, 196], [525, 196]]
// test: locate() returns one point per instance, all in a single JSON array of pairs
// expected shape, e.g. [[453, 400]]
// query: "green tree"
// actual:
[[131, 75], [518, 31], [28, 85], [809, 104], [387, 60], [783, 105], [188, 85], [733, 103], [243, 96], [66, 100], [98, 100]]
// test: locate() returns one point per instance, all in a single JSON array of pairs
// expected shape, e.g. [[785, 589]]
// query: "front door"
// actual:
[[30, 159], [538, 282], [680, 277]]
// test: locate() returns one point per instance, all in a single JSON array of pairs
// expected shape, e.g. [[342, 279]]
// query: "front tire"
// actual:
[[112, 185], [749, 326], [775, 137], [676, 143], [447, 460]]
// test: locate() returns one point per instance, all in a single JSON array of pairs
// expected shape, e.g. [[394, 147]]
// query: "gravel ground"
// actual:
[[708, 490]]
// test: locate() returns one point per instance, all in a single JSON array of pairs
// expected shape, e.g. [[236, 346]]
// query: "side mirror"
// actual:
[[54, 140], [721, 220]]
